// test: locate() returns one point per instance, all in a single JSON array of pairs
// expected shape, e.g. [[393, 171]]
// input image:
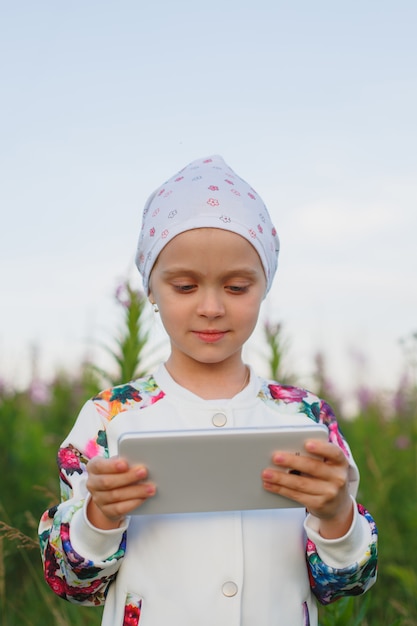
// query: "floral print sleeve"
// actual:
[[329, 583], [71, 575]]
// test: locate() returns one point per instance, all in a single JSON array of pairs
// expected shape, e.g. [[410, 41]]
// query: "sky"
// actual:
[[313, 103]]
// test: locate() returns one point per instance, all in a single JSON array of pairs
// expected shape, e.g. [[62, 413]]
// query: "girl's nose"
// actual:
[[211, 303]]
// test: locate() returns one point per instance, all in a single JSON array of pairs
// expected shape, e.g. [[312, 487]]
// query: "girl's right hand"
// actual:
[[116, 489]]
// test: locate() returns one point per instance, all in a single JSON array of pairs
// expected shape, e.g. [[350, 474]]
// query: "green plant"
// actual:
[[132, 339], [277, 347]]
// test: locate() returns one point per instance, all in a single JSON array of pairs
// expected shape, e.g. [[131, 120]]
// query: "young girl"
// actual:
[[207, 255]]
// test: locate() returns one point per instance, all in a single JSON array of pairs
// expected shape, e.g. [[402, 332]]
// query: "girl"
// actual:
[[207, 255]]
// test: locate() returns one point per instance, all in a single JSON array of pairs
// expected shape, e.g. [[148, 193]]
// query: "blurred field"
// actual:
[[383, 437]]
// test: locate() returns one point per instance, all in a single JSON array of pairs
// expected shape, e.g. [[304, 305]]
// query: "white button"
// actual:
[[229, 589], [219, 419]]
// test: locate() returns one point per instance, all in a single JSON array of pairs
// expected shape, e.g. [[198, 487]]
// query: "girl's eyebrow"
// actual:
[[177, 270], [239, 271], [246, 272]]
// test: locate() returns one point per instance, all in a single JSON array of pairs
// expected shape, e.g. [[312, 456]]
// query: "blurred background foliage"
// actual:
[[382, 435]]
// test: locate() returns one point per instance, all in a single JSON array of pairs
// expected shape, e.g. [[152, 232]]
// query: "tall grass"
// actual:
[[383, 436]]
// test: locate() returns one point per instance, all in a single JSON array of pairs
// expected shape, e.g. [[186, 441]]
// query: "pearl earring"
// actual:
[[155, 307]]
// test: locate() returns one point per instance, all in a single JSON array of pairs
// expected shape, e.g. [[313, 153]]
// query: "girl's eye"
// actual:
[[237, 288], [184, 288]]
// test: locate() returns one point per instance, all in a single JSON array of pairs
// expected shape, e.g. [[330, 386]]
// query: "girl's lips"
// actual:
[[210, 336]]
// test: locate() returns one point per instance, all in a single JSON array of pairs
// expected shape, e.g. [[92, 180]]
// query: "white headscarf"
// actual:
[[206, 194]]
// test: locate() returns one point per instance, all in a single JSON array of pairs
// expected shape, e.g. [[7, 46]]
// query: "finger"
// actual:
[[325, 456], [113, 465], [111, 481], [119, 510], [288, 484], [325, 450], [297, 464], [114, 511], [136, 492]]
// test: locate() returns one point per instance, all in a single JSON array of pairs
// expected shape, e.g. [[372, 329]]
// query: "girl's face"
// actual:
[[208, 284]]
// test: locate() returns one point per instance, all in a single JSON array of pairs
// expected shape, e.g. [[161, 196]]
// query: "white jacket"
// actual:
[[222, 569]]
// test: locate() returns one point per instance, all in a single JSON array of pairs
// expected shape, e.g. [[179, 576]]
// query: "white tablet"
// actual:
[[199, 471]]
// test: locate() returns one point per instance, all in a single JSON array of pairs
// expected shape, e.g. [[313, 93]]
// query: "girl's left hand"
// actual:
[[320, 484]]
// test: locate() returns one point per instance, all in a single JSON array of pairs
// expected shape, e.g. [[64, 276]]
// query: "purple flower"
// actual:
[[402, 442], [39, 392]]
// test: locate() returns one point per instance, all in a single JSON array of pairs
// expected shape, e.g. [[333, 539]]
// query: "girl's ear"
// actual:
[[150, 295], [154, 305], [152, 301]]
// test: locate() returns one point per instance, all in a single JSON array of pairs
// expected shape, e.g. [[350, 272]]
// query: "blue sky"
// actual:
[[312, 102]]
